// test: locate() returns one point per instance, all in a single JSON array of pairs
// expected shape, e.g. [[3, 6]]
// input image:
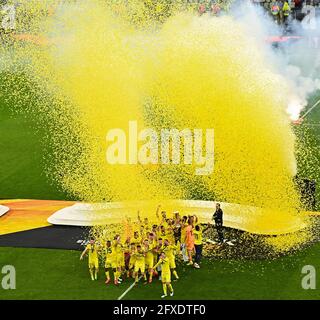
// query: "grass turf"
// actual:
[[58, 274], [22, 169]]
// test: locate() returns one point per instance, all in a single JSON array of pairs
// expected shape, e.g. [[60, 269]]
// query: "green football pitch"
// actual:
[[58, 274], [23, 148], [22, 169]]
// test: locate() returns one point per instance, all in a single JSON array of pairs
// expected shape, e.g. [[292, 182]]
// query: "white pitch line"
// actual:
[[311, 124], [128, 290], [315, 105]]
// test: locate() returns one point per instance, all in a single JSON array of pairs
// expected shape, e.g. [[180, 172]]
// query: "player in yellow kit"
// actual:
[[158, 250], [136, 238], [170, 231], [163, 219], [149, 258], [139, 264], [155, 230], [142, 233], [198, 238], [158, 247], [147, 226], [132, 259], [152, 239], [118, 263], [144, 223], [165, 273], [170, 251], [108, 261], [126, 252], [92, 250], [153, 243], [163, 233]]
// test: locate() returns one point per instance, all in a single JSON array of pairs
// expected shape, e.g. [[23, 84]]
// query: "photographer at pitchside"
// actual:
[[218, 219]]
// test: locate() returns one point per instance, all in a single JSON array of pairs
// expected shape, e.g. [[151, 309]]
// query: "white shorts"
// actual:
[[184, 253]]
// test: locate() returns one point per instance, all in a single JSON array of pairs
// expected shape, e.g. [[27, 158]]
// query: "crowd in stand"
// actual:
[[281, 10], [284, 10]]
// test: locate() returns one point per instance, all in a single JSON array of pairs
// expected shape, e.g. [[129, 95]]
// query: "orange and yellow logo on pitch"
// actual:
[[28, 214]]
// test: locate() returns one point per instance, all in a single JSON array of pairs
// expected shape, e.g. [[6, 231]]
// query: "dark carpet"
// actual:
[[52, 237]]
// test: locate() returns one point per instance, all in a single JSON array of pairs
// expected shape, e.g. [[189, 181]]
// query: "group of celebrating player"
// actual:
[[151, 251]]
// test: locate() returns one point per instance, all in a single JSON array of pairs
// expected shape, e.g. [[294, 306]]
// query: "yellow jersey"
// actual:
[[169, 251], [165, 266], [149, 253], [183, 232], [92, 251], [163, 236], [162, 222], [126, 248], [170, 235], [132, 257], [143, 236], [136, 240], [118, 250], [158, 248], [153, 243], [147, 227], [108, 254], [139, 257], [197, 236]]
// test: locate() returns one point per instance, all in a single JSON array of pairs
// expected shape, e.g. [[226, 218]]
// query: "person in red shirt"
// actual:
[[202, 9]]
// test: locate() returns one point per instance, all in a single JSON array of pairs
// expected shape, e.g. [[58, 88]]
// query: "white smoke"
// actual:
[[297, 60]]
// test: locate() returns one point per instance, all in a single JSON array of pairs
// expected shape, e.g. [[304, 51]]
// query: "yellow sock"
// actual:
[[145, 276], [115, 275], [164, 286], [91, 274], [96, 274], [175, 274], [150, 276], [108, 275], [136, 278], [170, 287]]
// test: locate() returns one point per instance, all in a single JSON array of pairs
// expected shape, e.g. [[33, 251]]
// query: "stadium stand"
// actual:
[[298, 7]]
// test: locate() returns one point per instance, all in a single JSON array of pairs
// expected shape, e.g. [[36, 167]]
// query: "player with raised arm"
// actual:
[[92, 251]]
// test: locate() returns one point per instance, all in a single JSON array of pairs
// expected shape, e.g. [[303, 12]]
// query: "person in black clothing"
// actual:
[[176, 232], [218, 219]]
